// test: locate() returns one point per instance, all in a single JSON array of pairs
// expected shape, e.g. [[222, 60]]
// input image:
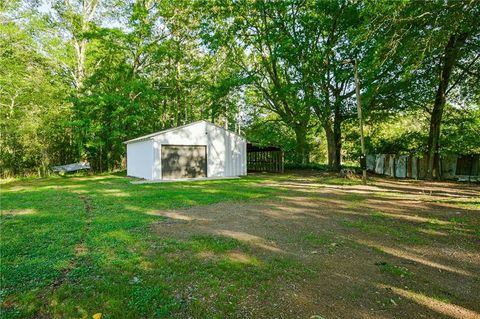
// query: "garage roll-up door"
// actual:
[[184, 161]]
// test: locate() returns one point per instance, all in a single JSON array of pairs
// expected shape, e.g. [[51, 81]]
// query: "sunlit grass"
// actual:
[[44, 219], [124, 269]]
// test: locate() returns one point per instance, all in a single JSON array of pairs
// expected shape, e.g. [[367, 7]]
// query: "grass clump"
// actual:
[[393, 270], [380, 226]]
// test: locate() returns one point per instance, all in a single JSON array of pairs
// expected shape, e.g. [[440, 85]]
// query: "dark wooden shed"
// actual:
[[264, 158]]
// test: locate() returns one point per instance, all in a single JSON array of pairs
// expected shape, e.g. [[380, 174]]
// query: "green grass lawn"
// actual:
[[43, 221], [72, 247]]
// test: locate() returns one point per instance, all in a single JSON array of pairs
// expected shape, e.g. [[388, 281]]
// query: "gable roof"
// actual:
[[149, 136]]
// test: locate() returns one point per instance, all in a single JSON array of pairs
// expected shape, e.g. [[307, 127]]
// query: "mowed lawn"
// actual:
[[263, 246]]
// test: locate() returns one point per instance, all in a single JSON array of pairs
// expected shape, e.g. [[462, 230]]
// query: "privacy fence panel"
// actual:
[[462, 167]]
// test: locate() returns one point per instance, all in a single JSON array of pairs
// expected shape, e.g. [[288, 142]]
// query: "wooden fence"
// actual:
[[463, 167], [264, 159]]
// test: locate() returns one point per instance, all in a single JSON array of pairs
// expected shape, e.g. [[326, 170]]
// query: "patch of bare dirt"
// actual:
[[343, 236]]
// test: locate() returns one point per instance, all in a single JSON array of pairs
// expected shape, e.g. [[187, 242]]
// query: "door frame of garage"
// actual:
[[206, 156]]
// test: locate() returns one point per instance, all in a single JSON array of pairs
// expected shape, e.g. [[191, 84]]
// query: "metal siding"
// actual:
[[216, 151], [228, 155], [226, 151], [157, 160], [140, 159], [187, 135]]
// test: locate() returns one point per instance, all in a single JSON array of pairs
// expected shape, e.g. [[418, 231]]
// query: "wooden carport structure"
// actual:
[[264, 158]]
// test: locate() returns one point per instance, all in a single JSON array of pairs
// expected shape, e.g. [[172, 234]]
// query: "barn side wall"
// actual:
[[227, 153], [140, 159], [238, 154]]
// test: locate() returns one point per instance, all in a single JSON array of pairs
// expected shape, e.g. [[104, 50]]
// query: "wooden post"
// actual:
[[277, 161], [359, 111], [282, 161], [270, 162], [264, 161]]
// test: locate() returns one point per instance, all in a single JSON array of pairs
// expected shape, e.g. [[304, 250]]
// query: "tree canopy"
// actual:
[[79, 77]]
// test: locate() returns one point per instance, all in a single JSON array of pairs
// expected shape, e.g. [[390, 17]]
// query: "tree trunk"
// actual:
[[450, 57], [334, 145], [301, 148], [80, 43]]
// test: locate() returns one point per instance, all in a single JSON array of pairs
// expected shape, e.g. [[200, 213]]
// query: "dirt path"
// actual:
[[386, 251]]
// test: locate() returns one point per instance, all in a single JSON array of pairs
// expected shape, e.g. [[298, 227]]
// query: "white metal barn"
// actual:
[[198, 149]]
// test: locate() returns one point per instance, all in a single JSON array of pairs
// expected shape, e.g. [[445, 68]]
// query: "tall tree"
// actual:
[[73, 20], [34, 108], [332, 73], [448, 60], [428, 51], [82, 76], [255, 36], [293, 53]]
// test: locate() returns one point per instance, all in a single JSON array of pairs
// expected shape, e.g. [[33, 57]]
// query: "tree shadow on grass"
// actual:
[[243, 249]]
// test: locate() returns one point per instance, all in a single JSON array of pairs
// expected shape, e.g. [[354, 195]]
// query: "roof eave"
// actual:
[[137, 140], [154, 135]]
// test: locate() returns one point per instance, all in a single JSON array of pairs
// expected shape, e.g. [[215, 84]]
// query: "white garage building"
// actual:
[[199, 149]]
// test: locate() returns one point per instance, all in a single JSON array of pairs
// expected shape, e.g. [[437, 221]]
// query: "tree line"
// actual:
[[79, 77]]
